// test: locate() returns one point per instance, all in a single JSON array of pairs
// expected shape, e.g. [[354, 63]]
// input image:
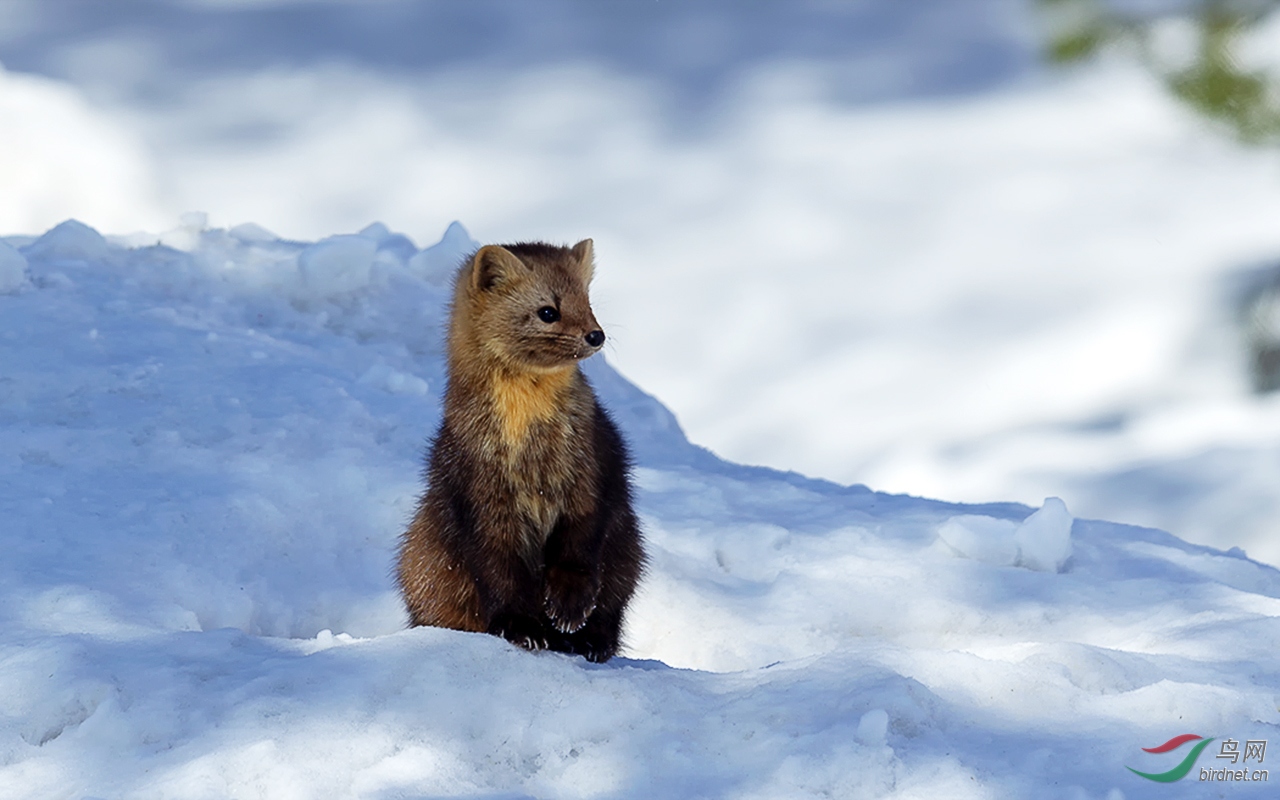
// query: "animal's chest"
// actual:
[[541, 445], [543, 479]]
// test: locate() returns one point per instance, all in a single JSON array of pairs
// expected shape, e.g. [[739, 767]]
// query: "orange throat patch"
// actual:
[[525, 398]]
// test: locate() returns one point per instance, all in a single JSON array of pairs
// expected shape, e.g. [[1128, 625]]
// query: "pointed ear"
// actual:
[[494, 264], [584, 255]]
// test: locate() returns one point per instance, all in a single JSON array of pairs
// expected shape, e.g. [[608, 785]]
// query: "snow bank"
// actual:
[[213, 439], [1000, 292]]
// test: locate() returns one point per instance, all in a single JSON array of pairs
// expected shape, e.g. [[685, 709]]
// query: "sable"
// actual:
[[526, 528]]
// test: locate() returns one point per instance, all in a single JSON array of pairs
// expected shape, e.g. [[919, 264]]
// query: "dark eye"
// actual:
[[548, 315]]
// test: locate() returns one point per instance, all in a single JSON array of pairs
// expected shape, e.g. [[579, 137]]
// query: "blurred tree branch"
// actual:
[[1213, 82]]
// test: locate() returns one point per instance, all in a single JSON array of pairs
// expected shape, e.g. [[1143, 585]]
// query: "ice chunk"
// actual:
[[1044, 538], [338, 264], [70, 240], [984, 539], [1042, 542], [13, 269]]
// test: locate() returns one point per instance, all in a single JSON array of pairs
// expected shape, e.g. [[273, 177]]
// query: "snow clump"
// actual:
[[1041, 542]]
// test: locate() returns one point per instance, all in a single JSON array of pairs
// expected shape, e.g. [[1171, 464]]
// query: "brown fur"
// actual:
[[526, 528]]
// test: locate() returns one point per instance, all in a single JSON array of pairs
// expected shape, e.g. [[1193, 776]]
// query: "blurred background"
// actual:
[[977, 250]]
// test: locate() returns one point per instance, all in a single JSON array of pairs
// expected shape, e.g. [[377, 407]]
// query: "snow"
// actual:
[[13, 269], [873, 243], [1044, 538], [1041, 542], [68, 158], [337, 265], [209, 459], [1002, 282], [984, 539]]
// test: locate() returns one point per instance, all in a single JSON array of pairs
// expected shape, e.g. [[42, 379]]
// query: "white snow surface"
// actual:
[[962, 274], [212, 444]]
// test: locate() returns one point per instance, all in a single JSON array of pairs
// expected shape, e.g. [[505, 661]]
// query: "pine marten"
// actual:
[[526, 529]]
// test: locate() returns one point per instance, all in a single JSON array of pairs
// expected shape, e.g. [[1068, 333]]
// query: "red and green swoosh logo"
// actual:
[[1180, 771]]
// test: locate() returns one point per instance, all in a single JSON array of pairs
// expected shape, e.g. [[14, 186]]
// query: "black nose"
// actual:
[[595, 338]]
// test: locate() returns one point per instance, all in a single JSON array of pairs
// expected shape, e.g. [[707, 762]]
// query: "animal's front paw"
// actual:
[[597, 641], [570, 598], [598, 652], [520, 630]]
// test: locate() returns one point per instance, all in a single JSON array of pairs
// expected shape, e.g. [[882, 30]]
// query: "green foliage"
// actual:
[[1214, 84], [1076, 45], [1080, 29]]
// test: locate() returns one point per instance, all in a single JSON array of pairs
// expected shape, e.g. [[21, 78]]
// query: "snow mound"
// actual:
[[213, 440], [71, 240]]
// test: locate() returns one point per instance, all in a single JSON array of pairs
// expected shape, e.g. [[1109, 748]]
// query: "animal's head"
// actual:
[[527, 305]]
